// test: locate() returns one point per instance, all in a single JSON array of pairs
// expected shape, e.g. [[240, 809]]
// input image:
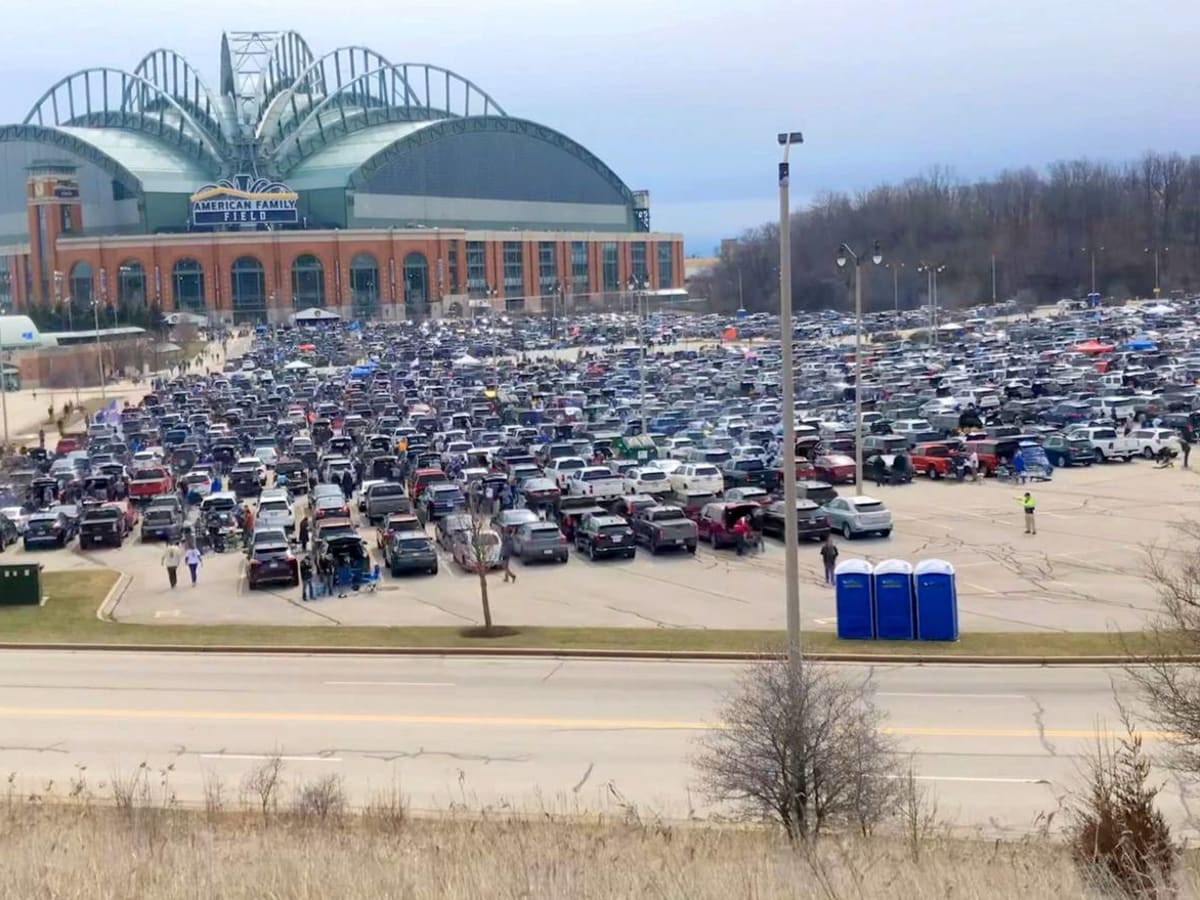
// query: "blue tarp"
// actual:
[[1141, 344]]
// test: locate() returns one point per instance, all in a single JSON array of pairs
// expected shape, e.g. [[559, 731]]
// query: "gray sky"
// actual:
[[684, 97]]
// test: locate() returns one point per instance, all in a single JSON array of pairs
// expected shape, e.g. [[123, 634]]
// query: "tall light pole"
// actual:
[[638, 289], [1156, 251], [99, 353], [787, 387], [843, 253], [895, 267], [994, 278], [1091, 252], [932, 270]]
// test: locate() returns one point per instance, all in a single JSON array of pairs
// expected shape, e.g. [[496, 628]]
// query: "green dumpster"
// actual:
[[21, 585]]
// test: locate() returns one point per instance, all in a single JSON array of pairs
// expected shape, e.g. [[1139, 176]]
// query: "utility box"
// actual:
[[852, 584], [21, 585]]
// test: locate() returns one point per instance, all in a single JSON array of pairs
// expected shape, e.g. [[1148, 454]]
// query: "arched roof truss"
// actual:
[[177, 78]]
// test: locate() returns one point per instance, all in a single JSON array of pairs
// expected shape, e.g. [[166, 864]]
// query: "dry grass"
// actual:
[[85, 852]]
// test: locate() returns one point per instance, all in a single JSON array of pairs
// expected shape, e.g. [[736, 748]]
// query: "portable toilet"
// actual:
[[894, 620], [937, 600], [852, 586]]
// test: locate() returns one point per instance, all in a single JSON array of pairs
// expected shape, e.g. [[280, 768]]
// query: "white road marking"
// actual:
[[980, 588], [975, 780], [242, 756], [394, 683], [825, 621], [168, 613], [947, 694]]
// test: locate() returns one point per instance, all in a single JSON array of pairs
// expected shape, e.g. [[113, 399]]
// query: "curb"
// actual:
[[112, 598], [593, 654]]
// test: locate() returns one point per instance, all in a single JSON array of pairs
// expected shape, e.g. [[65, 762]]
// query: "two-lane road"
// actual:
[[997, 745]]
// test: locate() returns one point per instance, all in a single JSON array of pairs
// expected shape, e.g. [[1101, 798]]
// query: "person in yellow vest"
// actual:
[[1029, 506]]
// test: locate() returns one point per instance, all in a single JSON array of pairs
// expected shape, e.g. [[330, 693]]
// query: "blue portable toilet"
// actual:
[[852, 587], [937, 600], [894, 615]]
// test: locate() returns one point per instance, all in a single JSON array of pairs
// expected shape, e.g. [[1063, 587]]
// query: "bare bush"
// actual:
[[214, 796], [263, 784], [801, 746], [322, 801], [130, 790], [1118, 839], [386, 811]]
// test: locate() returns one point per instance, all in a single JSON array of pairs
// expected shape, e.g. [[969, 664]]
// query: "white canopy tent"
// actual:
[[296, 365], [466, 361], [315, 314]]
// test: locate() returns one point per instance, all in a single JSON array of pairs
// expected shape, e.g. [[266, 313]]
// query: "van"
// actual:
[[1120, 408]]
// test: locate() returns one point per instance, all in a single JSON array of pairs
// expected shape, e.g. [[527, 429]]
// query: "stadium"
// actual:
[[344, 183]]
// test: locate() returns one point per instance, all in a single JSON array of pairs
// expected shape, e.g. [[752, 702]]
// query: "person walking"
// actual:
[[829, 555], [171, 558], [506, 557], [304, 532], [1185, 447], [1029, 506], [1018, 461], [192, 557], [306, 574], [973, 465]]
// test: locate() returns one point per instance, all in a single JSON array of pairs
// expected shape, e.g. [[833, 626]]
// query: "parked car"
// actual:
[[664, 527], [451, 528], [697, 477], [539, 541], [394, 524], [812, 521], [1107, 443], [1152, 440], [716, 522], [646, 480], [853, 516], [473, 551], [605, 536], [507, 521], [1063, 451], [271, 561], [410, 551], [836, 468], [46, 529]]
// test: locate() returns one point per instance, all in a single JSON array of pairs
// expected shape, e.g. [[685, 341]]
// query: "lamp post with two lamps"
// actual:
[[1156, 251], [844, 255], [1091, 252], [931, 270]]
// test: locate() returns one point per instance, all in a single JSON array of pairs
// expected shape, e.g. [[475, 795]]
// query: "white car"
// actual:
[[275, 511], [853, 516], [679, 447], [1152, 440], [17, 516], [562, 468], [647, 480], [665, 465], [697, 477]]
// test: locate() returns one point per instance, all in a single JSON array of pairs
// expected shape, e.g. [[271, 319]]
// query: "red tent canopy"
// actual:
[[1093, 346]]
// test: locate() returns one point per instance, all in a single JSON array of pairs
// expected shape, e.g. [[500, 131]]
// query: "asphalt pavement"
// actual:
[[996, 746]]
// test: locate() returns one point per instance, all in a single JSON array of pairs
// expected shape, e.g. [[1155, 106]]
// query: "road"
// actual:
[[996, 746]]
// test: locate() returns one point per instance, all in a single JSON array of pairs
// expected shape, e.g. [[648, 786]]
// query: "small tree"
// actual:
[[802, 746], [1119, 841], [481, 550]]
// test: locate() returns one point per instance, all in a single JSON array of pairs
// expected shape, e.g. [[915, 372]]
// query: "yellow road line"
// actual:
[[523, 722]]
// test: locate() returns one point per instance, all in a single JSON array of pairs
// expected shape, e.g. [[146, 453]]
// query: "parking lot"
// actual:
[[1080, 573]]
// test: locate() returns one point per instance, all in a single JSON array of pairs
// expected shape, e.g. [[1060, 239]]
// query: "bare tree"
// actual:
[[482, 551], [1170, 687], [801, 746]]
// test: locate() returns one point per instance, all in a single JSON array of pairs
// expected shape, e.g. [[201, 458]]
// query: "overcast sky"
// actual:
[[684, 97]]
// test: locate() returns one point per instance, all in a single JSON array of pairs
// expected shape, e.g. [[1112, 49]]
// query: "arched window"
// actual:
[[416, 285], [187, 278], [249, 290], [308, 282], [131, 284], [364, 286], [81, 291]]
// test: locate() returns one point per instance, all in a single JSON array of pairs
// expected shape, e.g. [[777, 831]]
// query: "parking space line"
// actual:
[[392, 683], [259, 756]]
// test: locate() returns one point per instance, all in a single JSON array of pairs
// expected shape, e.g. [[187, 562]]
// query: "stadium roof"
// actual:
[[278, 111]]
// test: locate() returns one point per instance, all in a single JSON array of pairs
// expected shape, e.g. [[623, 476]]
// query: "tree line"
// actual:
[[1041, 229]]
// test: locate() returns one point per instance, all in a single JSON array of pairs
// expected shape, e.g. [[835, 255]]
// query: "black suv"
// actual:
[[605, 536], [411, 551]]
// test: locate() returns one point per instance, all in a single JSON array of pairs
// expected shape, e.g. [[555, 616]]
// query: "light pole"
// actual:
[[637, 287], [787, 387], [1156, 251], [1091, 252], [895, 267], [994, 278], [844, 252], [99, 353], [931, 270]]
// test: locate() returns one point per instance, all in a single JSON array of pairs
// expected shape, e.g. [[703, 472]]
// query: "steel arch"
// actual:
[[382, 95], [291, 58], [350, 60], [175, 76], [140, 105], [437, 130]]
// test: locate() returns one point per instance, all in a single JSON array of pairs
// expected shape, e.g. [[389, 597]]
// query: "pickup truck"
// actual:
[[597, 482], [150, 481], [105, 524], [749, 472], [162, 523], [561, 468], [385, 498], [932, 460], [1107, 443], [661, 527]]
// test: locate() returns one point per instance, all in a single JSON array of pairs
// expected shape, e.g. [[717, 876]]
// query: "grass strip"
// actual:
[[69, 616]]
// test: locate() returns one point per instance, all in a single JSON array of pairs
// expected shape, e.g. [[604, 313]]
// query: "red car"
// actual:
[[716, 522], [151, 481], [423, 478], [836, 468]]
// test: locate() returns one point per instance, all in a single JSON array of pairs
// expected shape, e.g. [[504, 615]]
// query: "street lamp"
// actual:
[[637, 287], [787, 389], [844, 255], [1092, 251], [99, 353], [1156, 251], [932, 270]]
